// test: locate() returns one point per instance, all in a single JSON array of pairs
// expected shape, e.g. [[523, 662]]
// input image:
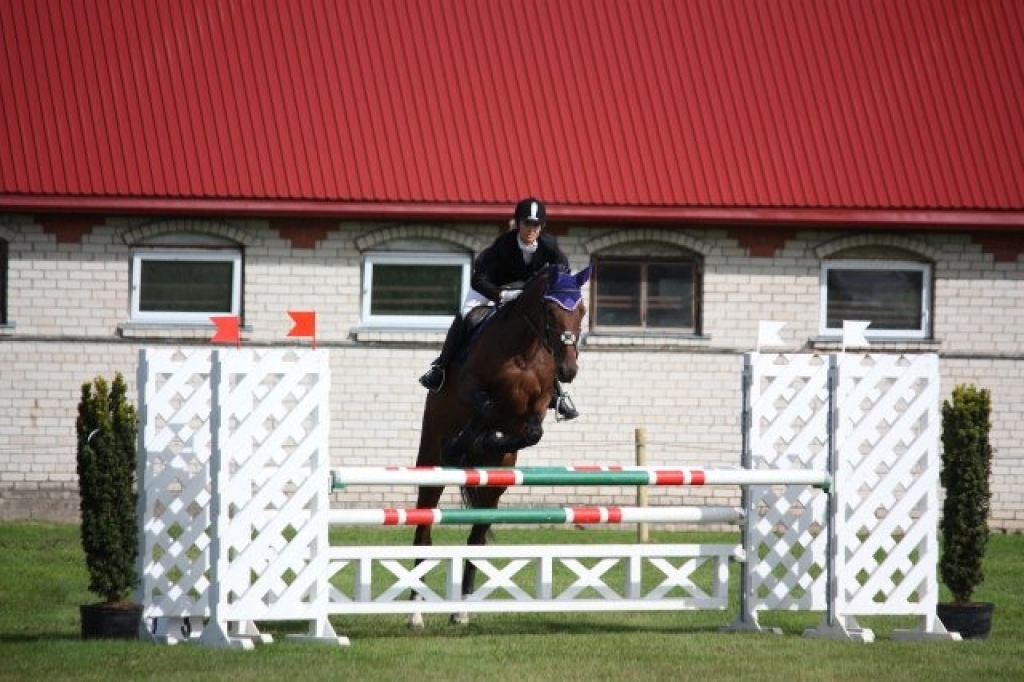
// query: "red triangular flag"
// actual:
[[227, 330], [305, 324]]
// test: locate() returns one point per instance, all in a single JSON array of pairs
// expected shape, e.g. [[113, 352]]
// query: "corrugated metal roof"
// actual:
[[622, 105]]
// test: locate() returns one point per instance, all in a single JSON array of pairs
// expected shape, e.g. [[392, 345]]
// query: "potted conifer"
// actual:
[[106, 458], [966, 468]]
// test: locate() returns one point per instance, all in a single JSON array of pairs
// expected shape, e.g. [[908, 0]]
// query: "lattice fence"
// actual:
[[239, 436], [873, 420]]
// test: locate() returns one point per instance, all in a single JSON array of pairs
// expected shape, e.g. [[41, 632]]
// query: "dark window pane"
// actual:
[[3, 282], [669, 295], [889, 299], [181, 286], [617, 294], [416, 289]]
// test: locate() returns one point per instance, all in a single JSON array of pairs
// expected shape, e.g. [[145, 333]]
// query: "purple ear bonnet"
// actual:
[[564, 288]]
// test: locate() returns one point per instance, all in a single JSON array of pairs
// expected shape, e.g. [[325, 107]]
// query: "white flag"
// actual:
[[853, 333], [768, 333]]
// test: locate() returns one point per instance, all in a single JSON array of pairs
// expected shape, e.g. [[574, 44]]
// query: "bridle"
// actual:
[[566, 337], [553, 296]]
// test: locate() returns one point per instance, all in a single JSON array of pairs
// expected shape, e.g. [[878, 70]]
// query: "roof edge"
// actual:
[[561, 213]]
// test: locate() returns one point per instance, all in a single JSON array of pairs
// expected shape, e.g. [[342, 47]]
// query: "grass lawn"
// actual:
[[43, 582]]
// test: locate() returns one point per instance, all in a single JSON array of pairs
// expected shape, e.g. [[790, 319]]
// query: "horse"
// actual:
[[496, 396]]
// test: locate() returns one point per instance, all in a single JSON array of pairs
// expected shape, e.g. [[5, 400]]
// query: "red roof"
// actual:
[[723, 109]]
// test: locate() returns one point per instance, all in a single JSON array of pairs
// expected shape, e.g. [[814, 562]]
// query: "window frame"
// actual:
[[927, 293], [141, 254], [696, 301], [371, 259]]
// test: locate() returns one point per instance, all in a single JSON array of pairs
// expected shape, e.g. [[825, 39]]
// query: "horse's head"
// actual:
[[563, 318]]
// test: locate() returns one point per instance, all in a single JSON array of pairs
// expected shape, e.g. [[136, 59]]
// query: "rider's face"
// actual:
[[528, 232]]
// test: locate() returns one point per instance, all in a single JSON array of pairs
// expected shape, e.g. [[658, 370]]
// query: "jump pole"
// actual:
[[552, 515], [577, 475]]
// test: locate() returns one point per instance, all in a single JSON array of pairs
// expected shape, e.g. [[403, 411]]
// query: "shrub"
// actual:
[[966, 467], [107, 428]]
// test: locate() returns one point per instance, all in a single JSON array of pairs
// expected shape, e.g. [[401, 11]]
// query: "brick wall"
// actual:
[[69, 301]]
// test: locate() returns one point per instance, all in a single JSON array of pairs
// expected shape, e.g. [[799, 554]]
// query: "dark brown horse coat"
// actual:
[[495, 399]]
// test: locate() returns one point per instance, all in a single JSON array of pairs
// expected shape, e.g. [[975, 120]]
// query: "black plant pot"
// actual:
[[111, 621], [972, 620]]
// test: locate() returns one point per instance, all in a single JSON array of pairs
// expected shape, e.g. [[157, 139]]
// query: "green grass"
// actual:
[[43, 581]]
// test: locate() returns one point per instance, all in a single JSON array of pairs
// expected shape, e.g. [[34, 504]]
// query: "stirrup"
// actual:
[[564, 409], [433, 378]]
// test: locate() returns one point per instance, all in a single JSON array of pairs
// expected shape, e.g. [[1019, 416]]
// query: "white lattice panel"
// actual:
[[885, 431], [174, 481], [889, 429], [788, 405], [234, 466], [271, 428]]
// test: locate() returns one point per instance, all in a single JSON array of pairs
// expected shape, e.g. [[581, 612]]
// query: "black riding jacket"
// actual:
[[502, 263]]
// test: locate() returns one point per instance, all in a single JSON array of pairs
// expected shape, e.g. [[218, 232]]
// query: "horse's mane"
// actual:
[[539, 281]]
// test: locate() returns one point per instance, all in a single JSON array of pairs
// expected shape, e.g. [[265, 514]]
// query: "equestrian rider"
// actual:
[[514, 257]]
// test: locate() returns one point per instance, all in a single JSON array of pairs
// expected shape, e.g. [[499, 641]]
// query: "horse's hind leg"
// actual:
[[428, 498]]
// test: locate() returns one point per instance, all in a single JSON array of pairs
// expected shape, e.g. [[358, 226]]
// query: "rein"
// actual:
[[567, 337]]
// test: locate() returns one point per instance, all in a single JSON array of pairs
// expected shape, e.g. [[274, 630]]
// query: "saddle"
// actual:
[[475, 321], [476, 317]]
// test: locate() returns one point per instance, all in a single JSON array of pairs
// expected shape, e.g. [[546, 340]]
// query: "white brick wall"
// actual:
[[68, 304]]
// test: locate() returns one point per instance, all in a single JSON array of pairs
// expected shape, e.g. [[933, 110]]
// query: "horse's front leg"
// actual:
[[493, 442], [477, 536], [428, 498], [486, 498], [454, 452]]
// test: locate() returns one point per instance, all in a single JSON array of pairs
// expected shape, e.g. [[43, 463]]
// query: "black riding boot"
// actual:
[[433, 379], [562, 403]]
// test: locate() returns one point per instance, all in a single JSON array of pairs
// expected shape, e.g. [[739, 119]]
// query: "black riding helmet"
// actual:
[[532, 211]]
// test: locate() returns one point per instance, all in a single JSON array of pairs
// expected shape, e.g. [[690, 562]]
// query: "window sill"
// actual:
[[7, 329], [834, 343], [170, 330], [644, 340], [397, 335]]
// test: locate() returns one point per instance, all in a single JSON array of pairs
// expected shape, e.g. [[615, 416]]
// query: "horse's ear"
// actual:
[[582, 277]]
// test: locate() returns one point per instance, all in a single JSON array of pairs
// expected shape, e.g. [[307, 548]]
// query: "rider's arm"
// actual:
[[482, 279]]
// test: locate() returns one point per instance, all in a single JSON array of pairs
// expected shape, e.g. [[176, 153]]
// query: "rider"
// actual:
[[513, 257]]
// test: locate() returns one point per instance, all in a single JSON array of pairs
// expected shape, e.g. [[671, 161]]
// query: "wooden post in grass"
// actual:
[[640, 439]]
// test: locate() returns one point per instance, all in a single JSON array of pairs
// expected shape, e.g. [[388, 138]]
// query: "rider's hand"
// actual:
[[510, 295]]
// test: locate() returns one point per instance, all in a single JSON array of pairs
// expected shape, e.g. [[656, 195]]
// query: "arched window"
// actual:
[[887, 285], [185, 277], [414, 276], [646, 287]]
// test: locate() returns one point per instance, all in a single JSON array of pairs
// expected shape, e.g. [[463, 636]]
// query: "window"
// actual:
[[185, 285], [413, 289], [895, 296], [3, 281], [645, 293]]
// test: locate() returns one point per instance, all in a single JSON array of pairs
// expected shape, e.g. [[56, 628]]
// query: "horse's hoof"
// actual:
[[459, 619], [416, 621]]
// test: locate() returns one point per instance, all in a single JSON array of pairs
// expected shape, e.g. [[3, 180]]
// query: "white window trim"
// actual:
[[926, 298], [225, 255], [409, 258]]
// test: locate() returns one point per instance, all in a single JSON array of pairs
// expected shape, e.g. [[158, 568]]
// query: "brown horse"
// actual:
[[495, 399]]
